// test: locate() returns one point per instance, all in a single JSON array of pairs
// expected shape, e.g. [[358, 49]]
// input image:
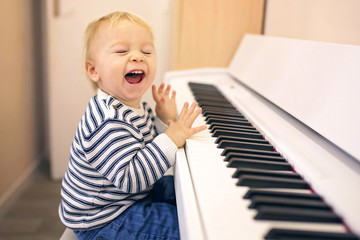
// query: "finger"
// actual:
[[173, 95], [170, 122], [196, 130], [188, 113], [191, 109], [156, 96], [167, 90], [193, 116], [183, 111], [161, 88]]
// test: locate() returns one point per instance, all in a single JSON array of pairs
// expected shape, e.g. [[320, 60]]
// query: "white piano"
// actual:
[[303, 99]]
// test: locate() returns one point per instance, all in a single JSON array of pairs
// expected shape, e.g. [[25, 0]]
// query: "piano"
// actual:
[[281, 156]]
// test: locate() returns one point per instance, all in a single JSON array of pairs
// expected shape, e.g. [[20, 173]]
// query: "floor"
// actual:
[[32, 215]]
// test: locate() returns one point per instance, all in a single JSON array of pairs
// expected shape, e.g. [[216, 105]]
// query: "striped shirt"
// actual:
[[115, 158]]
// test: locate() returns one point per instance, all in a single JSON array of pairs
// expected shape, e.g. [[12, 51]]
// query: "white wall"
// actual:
[[335, 21]]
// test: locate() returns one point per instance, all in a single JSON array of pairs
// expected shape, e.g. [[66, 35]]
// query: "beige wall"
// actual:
[[336, 21], [21, 135]]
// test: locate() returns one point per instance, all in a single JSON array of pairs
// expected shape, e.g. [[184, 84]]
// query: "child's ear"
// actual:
[[91, 71]]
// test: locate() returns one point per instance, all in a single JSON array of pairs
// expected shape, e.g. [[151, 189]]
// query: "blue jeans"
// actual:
[[154, 217]]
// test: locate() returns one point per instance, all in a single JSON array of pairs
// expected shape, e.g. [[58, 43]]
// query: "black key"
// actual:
[[213, 98], [217, 98], [240, 139], [206, 113], [253, 156], [288, 202], [215, 104], [201, 91], [229, 121], [208, 93], [296, 214], [229, 150], [219, 110], [252, 193], [271, 182], [203, 100], [224, 117], [240, 125], [241, 129], [201, 85], [259, 172], [289, 234], [235, 144], [229, 133]]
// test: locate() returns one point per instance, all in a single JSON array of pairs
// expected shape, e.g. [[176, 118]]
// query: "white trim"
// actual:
[[17, 186]]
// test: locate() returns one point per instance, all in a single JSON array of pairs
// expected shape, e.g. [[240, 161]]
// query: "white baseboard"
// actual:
[[17, 186]]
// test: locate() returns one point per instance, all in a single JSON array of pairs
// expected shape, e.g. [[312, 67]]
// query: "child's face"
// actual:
[[122, 61]]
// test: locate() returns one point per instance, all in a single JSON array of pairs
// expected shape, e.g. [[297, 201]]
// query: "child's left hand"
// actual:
[[165, 106]]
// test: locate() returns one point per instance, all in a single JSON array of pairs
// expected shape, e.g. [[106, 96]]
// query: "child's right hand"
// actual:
[[182, 129]]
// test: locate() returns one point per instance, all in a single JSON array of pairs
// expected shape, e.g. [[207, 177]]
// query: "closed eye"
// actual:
[[121, 51]]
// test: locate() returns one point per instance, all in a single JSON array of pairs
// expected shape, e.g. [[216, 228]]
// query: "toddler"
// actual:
[[114, 186]]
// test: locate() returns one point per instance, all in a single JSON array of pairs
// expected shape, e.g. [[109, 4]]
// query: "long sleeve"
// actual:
[[118, 152], [160, 126]]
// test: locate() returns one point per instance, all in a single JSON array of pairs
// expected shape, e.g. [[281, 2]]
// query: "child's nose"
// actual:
[[136, 57]]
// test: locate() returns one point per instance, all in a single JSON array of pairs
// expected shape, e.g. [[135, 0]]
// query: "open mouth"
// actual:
[[135, 76]]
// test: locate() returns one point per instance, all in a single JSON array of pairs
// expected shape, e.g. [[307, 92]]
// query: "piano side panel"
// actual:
[[188, 213], [316, 82]]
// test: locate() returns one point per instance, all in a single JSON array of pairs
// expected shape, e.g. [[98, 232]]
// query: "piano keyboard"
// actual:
[[276, 202]]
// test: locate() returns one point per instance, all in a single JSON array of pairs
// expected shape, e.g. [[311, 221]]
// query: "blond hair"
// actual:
[[112, 19]]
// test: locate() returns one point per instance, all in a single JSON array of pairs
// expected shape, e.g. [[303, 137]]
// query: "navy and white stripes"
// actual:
[[115, 158]]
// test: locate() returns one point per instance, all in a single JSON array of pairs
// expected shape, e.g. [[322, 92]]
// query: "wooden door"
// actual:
[[208, 32]]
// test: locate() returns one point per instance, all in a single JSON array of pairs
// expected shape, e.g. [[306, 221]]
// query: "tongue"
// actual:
[[133, 78]]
